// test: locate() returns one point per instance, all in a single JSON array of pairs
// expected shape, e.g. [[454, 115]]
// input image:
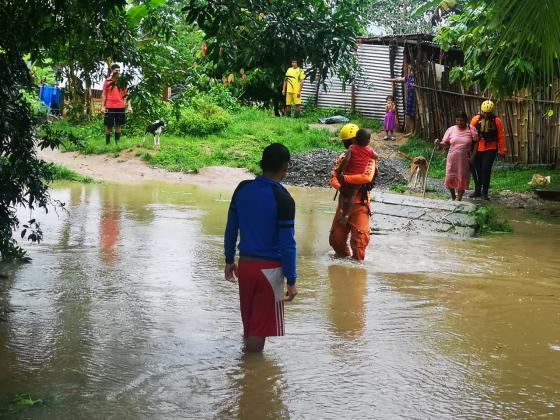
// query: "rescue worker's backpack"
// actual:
[[487, 129]]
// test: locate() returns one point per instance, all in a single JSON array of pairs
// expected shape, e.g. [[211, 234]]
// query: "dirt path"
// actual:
[[130, 169]]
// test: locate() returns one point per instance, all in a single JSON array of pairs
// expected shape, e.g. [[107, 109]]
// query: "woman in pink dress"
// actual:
[[460, 138]]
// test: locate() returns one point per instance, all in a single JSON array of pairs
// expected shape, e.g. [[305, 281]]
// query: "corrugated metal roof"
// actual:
[[403, 39], [411, 36], [371, 89]]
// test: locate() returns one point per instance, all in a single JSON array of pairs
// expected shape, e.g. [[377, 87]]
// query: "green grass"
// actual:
[[61, 173], [238, 145], [489, 220], [18, 404], [92, 138], [516, 180], [418, 147], [401, 187]]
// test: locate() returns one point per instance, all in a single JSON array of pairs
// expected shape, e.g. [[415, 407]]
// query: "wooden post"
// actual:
[[533, 145]]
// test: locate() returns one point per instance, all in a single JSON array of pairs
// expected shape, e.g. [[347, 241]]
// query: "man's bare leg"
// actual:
[[253, 344], [452, 192]]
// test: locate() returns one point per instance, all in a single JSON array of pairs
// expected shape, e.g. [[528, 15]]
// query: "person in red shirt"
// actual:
[[356, 161], [114, 100], [492, 141]]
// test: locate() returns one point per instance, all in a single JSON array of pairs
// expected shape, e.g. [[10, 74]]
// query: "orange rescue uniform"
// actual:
[[484, 146], [358, 222]]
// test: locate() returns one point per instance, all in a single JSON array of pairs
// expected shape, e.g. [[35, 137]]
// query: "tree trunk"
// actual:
[[87, 96]]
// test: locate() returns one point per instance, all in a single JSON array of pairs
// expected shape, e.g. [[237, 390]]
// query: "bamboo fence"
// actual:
[[532, 126]]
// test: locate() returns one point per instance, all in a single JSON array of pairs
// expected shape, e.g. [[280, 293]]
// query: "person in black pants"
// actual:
[[114, 102], [483, 169], [491, 142]]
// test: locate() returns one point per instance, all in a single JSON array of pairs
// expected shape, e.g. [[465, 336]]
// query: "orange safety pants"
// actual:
[[358, 229]]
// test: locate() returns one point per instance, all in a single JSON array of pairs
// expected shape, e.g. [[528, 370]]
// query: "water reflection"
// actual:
[[260, 386], [110, 230], [348, 288]]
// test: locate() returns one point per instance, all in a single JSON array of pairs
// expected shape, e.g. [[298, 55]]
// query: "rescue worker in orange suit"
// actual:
[[491, 142], [357, 226]]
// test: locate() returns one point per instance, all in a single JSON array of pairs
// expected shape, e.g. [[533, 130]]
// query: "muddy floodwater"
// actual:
[[124, 314]]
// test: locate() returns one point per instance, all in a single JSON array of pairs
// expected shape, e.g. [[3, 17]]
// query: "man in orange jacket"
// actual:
[[491, 141], [357, 225]]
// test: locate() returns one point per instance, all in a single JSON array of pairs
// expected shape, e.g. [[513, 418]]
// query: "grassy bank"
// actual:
[[516, 180], [238, 145], [62, 173]]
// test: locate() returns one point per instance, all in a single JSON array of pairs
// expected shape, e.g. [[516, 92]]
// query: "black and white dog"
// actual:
[[155, 129]]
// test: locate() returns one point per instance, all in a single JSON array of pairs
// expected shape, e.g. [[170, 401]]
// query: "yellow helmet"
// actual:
[[348, 132], [487, 106]]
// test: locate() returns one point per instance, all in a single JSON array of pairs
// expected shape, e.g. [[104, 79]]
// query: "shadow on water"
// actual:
[[124, 314]]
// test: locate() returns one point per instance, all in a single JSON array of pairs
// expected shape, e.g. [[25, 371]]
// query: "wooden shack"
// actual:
[[532, 125]]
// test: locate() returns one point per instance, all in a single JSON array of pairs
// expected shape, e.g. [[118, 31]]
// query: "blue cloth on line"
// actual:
[[50, 96]]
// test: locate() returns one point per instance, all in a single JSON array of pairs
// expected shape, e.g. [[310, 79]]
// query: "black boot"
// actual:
[[107, 139], [475, 194], [117, 137]]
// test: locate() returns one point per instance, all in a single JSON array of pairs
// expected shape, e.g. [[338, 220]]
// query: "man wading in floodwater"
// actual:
[[262, 212]]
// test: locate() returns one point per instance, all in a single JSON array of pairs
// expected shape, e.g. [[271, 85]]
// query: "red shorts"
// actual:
[[261, 295]]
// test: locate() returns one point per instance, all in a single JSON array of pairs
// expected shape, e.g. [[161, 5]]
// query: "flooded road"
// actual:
[[124, 314]]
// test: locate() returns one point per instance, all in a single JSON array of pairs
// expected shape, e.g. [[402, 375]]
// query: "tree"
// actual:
[[76, 35], [509, 46], [410, 16], [263, 36], [173, 59], [23, 177]]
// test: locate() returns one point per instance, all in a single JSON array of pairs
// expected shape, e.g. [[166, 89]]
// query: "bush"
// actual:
[[202, 119], [76, 136], [222, 97], [147, 109], [489, 220]]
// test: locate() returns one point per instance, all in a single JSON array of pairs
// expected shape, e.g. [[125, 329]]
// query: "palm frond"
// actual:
[[528, 31]]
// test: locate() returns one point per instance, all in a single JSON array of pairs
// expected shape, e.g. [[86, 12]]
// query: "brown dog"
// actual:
[[418, 172]]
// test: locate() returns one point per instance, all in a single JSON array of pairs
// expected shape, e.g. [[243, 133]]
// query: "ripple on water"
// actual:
[[143, 324]]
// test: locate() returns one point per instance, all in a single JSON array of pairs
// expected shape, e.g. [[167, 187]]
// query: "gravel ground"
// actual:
[[528, 200], [313, 169]]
